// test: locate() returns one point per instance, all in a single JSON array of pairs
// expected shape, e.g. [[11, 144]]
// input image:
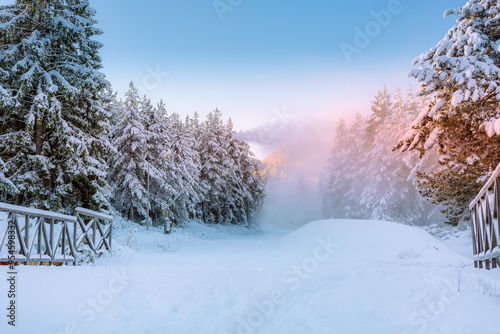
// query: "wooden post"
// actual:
[[27, 237], [75, 235], [51, 250], [39, 246], [63, 246], [110, 235], [94, 232]]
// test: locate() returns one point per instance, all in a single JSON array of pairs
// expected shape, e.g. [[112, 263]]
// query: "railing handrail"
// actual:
[[485, 224], [487, 186], [94, 214], [40, 240], [4, 207]]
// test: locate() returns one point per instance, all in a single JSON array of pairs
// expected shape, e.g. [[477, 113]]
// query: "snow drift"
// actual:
[[359, 241]]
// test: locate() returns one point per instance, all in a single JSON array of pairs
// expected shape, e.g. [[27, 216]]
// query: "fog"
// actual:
[[299, 150]]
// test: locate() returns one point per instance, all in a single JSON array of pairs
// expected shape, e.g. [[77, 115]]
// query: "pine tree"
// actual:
[[246, 189], [462, 76], [129, 165], [54, 119], [341, 185], [185, 170], [7, 188], [332, 185], [157, 133], [193, 131], [381, 109], [364, 179], [214, 173], [389, 193], [233, 186]]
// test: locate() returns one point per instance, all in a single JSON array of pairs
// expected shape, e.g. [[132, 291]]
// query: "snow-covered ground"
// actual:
[[332, 276]]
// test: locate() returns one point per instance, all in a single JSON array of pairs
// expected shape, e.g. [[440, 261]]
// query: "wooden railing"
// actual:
[[96, 230], [39, 236], [485, 224]]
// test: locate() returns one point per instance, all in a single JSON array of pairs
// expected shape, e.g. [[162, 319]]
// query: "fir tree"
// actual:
[[184, 171], [129, 165], [389, 193], [233, 186], [214, 159], [462, 76], [364, 179], [342, 185], [246, 189], [52, 110]]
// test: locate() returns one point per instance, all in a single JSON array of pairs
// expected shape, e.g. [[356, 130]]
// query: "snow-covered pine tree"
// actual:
[[389, 193], [363, 178], [342, 184], [246, 188], [7, 188], [331, 183], [233, 188], [381, 109], [253, 180], [354, 167], [194, 130], [215, 167], [183, 175], [158, 162], [128, 164], [462, 75], [52, 111]]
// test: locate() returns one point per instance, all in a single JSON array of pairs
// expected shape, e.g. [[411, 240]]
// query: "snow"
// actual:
[[440, 104], [330, 276], [433, 137], [492, 127], [457, 98], [4, 207], [94, 214]]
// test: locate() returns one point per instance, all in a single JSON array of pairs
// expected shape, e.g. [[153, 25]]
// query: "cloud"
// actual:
[[273, 134]]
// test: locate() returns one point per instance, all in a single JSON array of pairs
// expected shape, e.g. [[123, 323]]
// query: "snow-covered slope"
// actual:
[[332, 276], [371, 241]]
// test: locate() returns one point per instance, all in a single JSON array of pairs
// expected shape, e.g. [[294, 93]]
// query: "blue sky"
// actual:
[[265, 55]]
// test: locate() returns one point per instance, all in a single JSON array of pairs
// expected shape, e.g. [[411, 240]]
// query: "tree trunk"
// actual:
[[19, 199], [38, 135]]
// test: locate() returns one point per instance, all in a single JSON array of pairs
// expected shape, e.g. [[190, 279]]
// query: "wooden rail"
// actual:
[[485, 224], [41, 236], [96, 229]]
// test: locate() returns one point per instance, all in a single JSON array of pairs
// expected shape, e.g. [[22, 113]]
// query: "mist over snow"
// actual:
[[299, 150]]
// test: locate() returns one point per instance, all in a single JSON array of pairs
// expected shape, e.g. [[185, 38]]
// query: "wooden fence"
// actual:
[[39, 236], [485, 224]]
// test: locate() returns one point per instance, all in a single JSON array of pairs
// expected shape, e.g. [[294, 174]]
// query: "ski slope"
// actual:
[[331, 276]]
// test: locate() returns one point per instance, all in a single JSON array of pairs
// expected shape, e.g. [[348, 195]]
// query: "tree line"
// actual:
[[455, 132], [66, 141], [364, 179]]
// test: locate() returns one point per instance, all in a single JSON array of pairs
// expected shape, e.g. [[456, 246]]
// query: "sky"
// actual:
[[259, 60]]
